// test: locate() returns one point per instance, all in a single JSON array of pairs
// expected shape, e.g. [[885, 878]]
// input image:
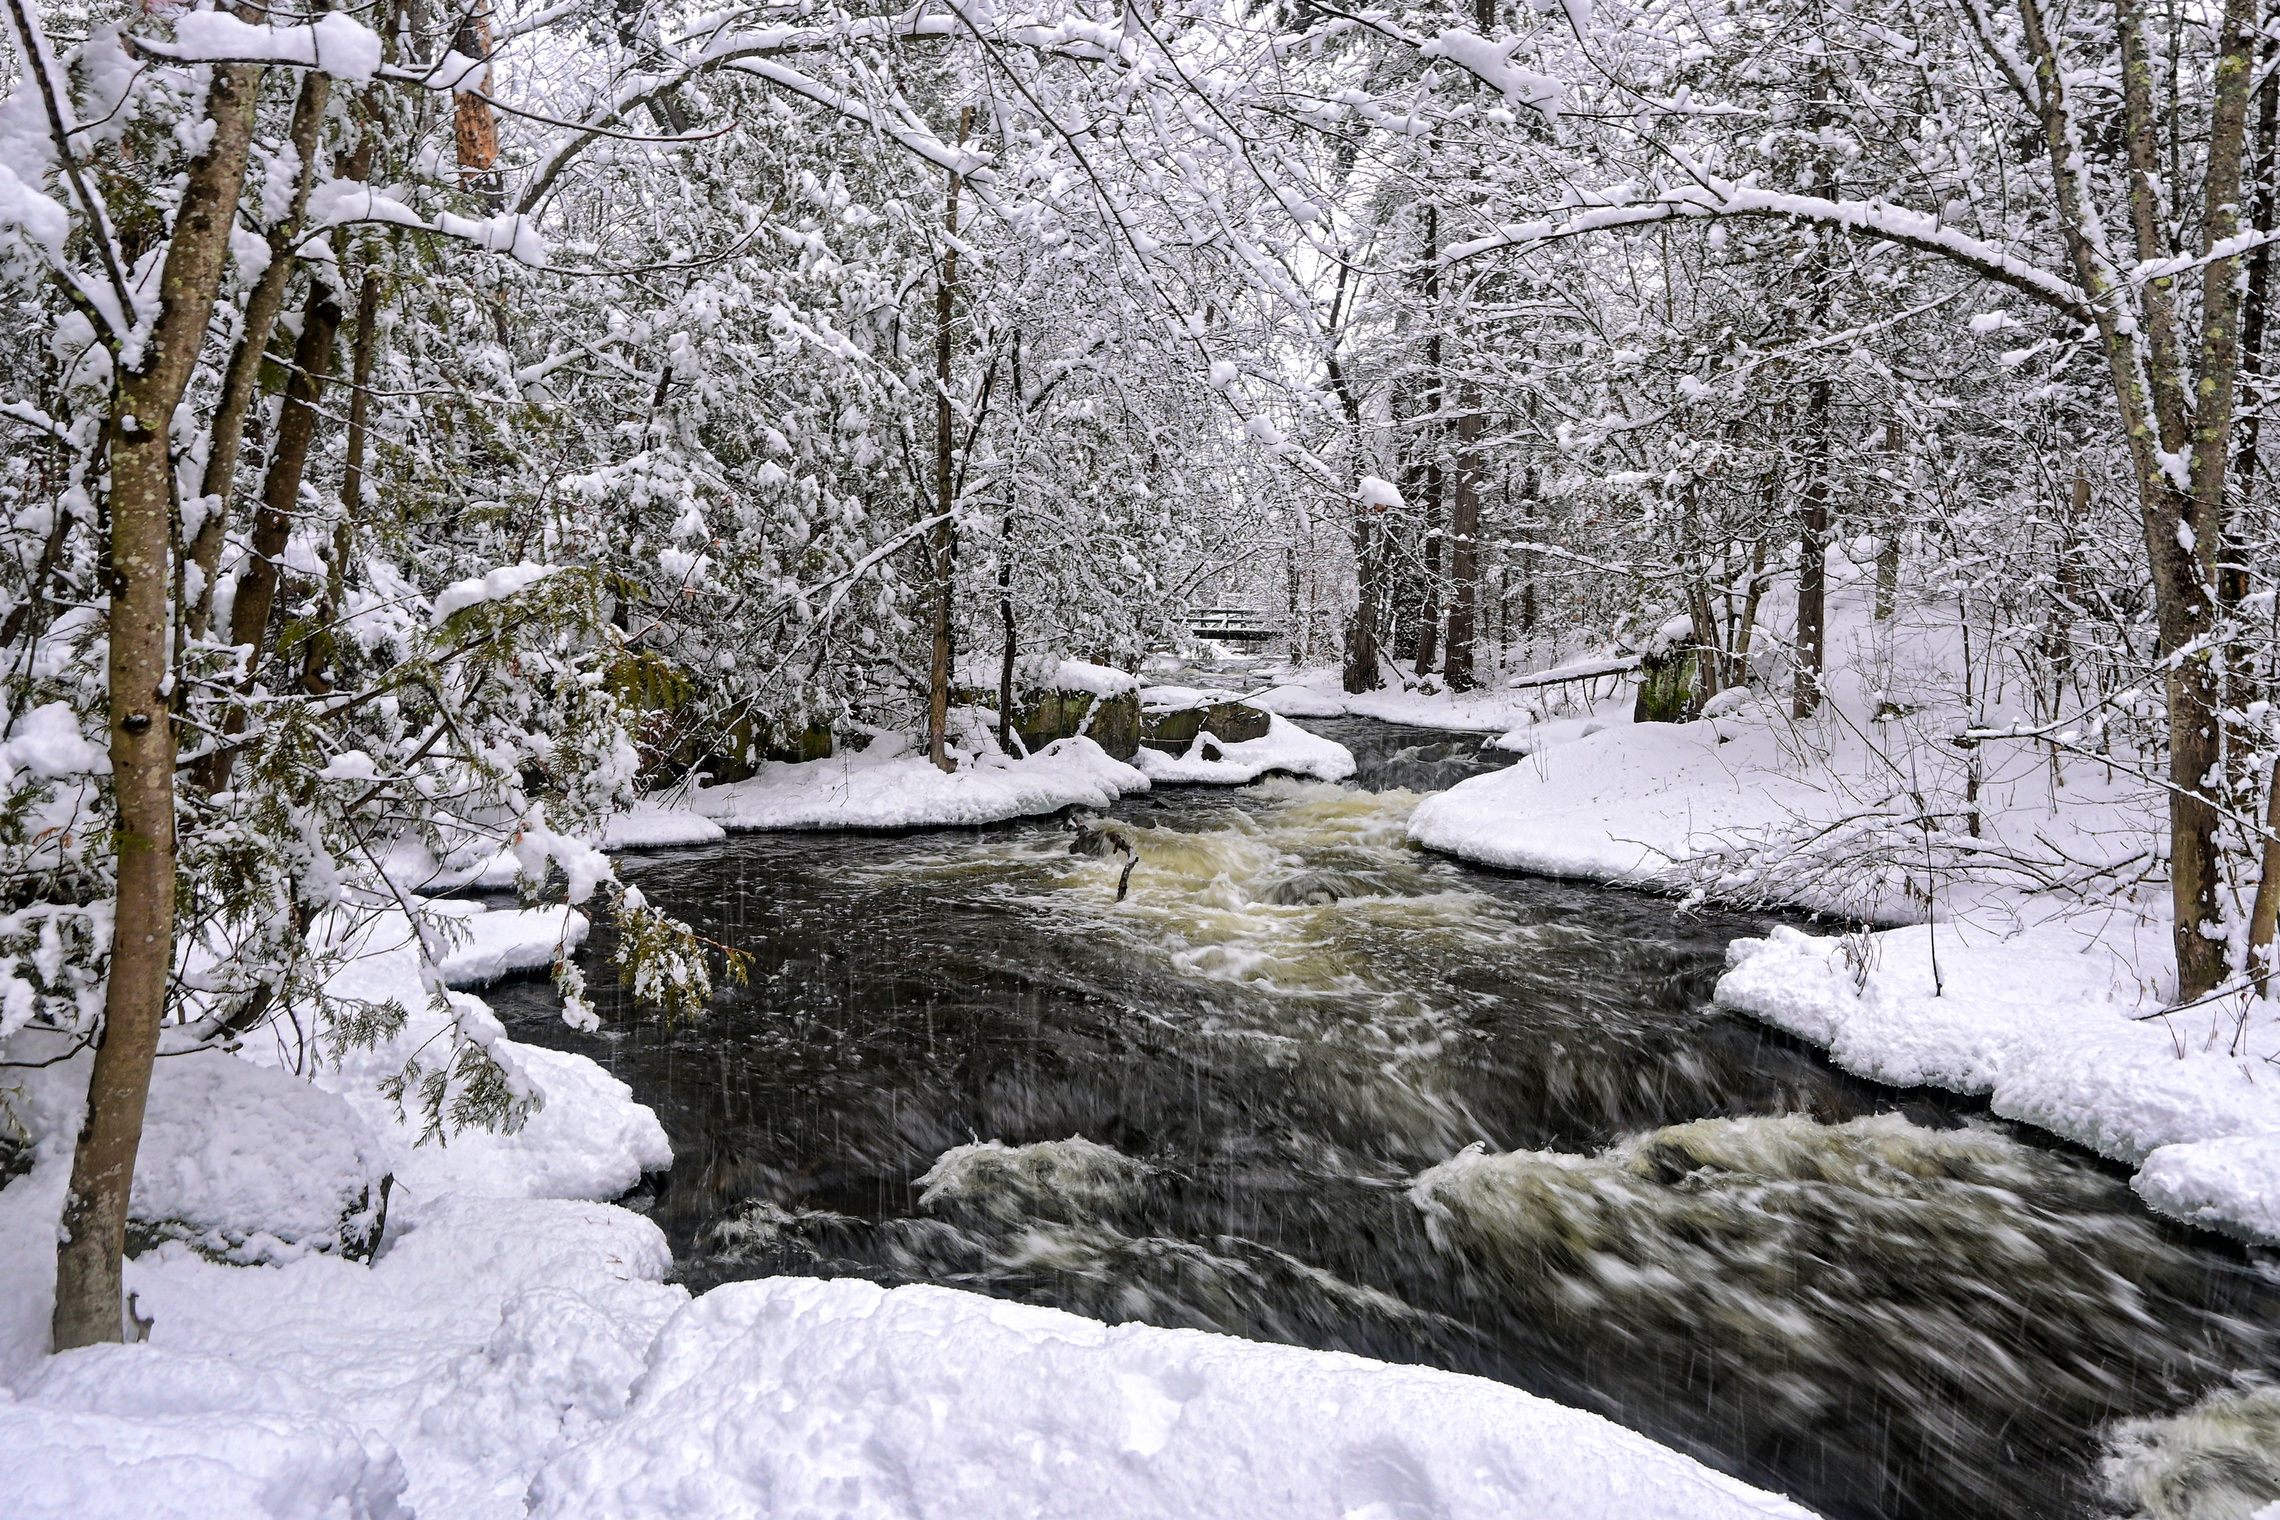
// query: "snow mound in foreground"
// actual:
[[797, 1396], [1284, 747], [117, 1431], [884, 788]]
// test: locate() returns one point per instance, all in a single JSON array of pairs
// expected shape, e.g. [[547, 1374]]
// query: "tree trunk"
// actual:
[[1464, 556], [1532, 525], [273, 523], [244, 373], [1436, 393], [142, 741], [1005, 663], [2265, 914], [475, 133], [1361, 673], [1888, 543], [2066, 590], [323, 642], [943, 549], [1813, 561]]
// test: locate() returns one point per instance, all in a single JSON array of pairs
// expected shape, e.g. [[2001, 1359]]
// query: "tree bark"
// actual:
[[1464, 557], [2264, 915], [943, 548], [1532, 525], [2066, 588], [1361, 672], [142, 740], [322, 644], [273, 522], [1813, 561], [1005, 662], [244, 372], [1436, 392], [474, 131], [1888, 543], [2182, 527]]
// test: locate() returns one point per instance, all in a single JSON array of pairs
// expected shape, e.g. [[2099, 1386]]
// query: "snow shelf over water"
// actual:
[[2053, 1023]]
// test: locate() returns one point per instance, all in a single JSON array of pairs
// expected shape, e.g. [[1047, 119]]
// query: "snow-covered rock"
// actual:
[[1285, 747]]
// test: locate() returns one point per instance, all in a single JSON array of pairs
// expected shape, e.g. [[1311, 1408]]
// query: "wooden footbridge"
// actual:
[[1235, 625]]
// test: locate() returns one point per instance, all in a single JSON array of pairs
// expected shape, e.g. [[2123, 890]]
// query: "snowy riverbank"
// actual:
[[2060, 1024], [2028, 962], [513, 1347]]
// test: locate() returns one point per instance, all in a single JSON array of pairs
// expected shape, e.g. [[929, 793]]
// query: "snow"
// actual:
[[2054, 1022], [1082, 675], [489, 947], [1489, 62], [336, 43], [185, 1458], [251, 1165], [1319, 693], [1626, 804], [589, 1139], [1819, 813], [1285, 747], [654, 825], [1297, 702], [798, 1396], [490, 1334], [1176, 698], [885, 787], [47, 744], [495, 586]]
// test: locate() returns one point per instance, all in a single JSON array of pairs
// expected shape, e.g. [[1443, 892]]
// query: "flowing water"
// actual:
[[1310, 1084]]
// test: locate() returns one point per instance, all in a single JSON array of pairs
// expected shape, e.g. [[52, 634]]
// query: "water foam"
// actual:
[[2219, 1460], [1769, 1242], [1074, 1178]]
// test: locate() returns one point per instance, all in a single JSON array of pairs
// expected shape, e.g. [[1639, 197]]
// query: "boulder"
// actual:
[[1174, 729]]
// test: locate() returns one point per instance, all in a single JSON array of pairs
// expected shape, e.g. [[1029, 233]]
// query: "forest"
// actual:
[[627, 506]]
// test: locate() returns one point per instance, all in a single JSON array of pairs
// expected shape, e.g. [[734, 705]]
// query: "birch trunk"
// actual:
[[93, 1235], [1464, 564], [943, 546]]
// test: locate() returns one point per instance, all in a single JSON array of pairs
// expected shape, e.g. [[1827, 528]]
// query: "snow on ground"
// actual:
[[1599, 690], [479, 947], [888, 786], [1284, 747], [797, 1396], [1045, 673]]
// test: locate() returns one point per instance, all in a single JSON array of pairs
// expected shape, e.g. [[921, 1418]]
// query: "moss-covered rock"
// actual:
[[1670, 687], [1174, 729], [1041, 717]]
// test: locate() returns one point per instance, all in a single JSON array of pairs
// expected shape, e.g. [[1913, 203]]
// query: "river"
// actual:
[[1310, 1084]]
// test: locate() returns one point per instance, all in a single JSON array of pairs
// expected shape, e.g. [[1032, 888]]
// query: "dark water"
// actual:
[[1309, 1084]]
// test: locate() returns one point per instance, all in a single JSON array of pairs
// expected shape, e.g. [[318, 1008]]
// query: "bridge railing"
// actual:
[[1234, 622]]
